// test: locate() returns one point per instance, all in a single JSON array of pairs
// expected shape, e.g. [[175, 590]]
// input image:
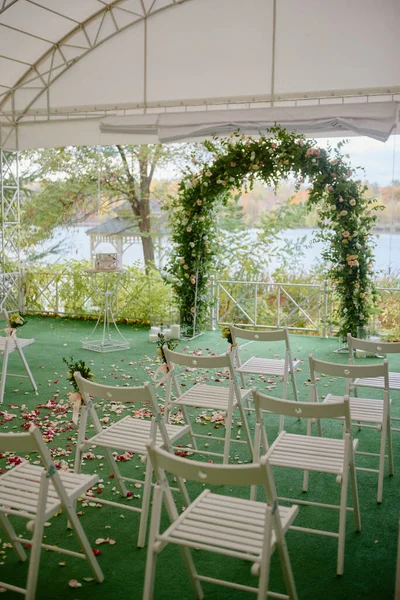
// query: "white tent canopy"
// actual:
[[99, 71]]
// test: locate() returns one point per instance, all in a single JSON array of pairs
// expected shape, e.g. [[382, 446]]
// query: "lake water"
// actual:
[[75, 244]]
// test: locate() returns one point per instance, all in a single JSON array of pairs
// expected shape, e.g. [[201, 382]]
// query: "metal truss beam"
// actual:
[[83, 38], [10, 229]]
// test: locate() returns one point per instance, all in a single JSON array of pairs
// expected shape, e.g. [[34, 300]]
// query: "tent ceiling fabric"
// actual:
[[67, 64]]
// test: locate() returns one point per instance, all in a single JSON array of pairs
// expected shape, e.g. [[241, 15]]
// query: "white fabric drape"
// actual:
[[376, 120]]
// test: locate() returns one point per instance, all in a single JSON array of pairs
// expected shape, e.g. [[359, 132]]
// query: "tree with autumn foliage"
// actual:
[[73, 182]]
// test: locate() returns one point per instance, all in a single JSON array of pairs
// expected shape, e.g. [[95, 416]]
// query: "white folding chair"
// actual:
[[369, 413], [8, 344], [374, 349], [220, 524], [312, 453], [127, 435], [37, 494], [221, 397], [254, 365]]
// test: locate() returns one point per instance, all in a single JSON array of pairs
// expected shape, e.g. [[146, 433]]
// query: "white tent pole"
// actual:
[[392, 203], [273, 54]]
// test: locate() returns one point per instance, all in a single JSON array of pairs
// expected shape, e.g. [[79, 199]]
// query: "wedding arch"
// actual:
[[345, 217]]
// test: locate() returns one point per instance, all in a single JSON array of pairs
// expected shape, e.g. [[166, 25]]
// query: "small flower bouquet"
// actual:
[[161, 341], [226, 334], [79, 366], [16, 320], [75, 397]]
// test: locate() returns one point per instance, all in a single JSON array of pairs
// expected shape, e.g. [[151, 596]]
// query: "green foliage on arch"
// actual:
[[346, 217]]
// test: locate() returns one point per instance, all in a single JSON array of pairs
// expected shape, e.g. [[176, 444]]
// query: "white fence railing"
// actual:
[[296, 306], [302, 307], [78, 292]]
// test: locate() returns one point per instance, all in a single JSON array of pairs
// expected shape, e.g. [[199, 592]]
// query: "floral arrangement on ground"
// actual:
[[346, 218]]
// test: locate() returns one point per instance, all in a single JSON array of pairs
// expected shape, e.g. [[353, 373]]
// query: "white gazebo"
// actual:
[[140, 71], [122, 231]]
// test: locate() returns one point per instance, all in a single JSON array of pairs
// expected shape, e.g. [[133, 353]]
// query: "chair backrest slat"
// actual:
[[125, 395], [211, 474], [198, 362], [21, 443], [348, 371], [259, 336], [372, 347], [307, 410]]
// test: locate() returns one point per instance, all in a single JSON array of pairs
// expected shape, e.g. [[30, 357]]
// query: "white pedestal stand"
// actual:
[[106, 343]]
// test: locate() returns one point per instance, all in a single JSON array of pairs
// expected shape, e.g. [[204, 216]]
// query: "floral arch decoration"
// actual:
[[346, 218]]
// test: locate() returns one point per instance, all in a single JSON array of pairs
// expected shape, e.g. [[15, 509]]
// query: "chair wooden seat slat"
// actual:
[[9, 344], [129, 434], [224, 397], [37, 493], [367, 412], [219, 523], [378, 382], [265, 366], [318, 454], [23, 483]]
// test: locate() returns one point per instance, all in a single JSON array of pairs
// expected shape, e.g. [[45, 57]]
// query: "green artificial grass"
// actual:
[[370, 556]]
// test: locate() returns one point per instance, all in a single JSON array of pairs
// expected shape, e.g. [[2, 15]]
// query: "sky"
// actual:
[[376, 157]]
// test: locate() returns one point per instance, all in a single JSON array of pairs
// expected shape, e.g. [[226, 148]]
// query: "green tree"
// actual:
[[68, 181]]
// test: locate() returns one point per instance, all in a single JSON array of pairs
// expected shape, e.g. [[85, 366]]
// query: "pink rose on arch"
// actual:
[[346, 234]]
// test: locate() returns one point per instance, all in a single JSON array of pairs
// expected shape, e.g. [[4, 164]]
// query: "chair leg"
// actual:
[[84, 544], [295, 392], [3, 376], [381, 463], [187, 420], [243, 381], [228, 434], [354, 490], [27, 369], [246, 428], [342, 520], [390, 449], [265, 557], [284, 397], [191, 569], [151, 560], [116, 471], [37, 537], [8, 528], [168, 393], [306, 474], [287, 569], [145, 505]]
